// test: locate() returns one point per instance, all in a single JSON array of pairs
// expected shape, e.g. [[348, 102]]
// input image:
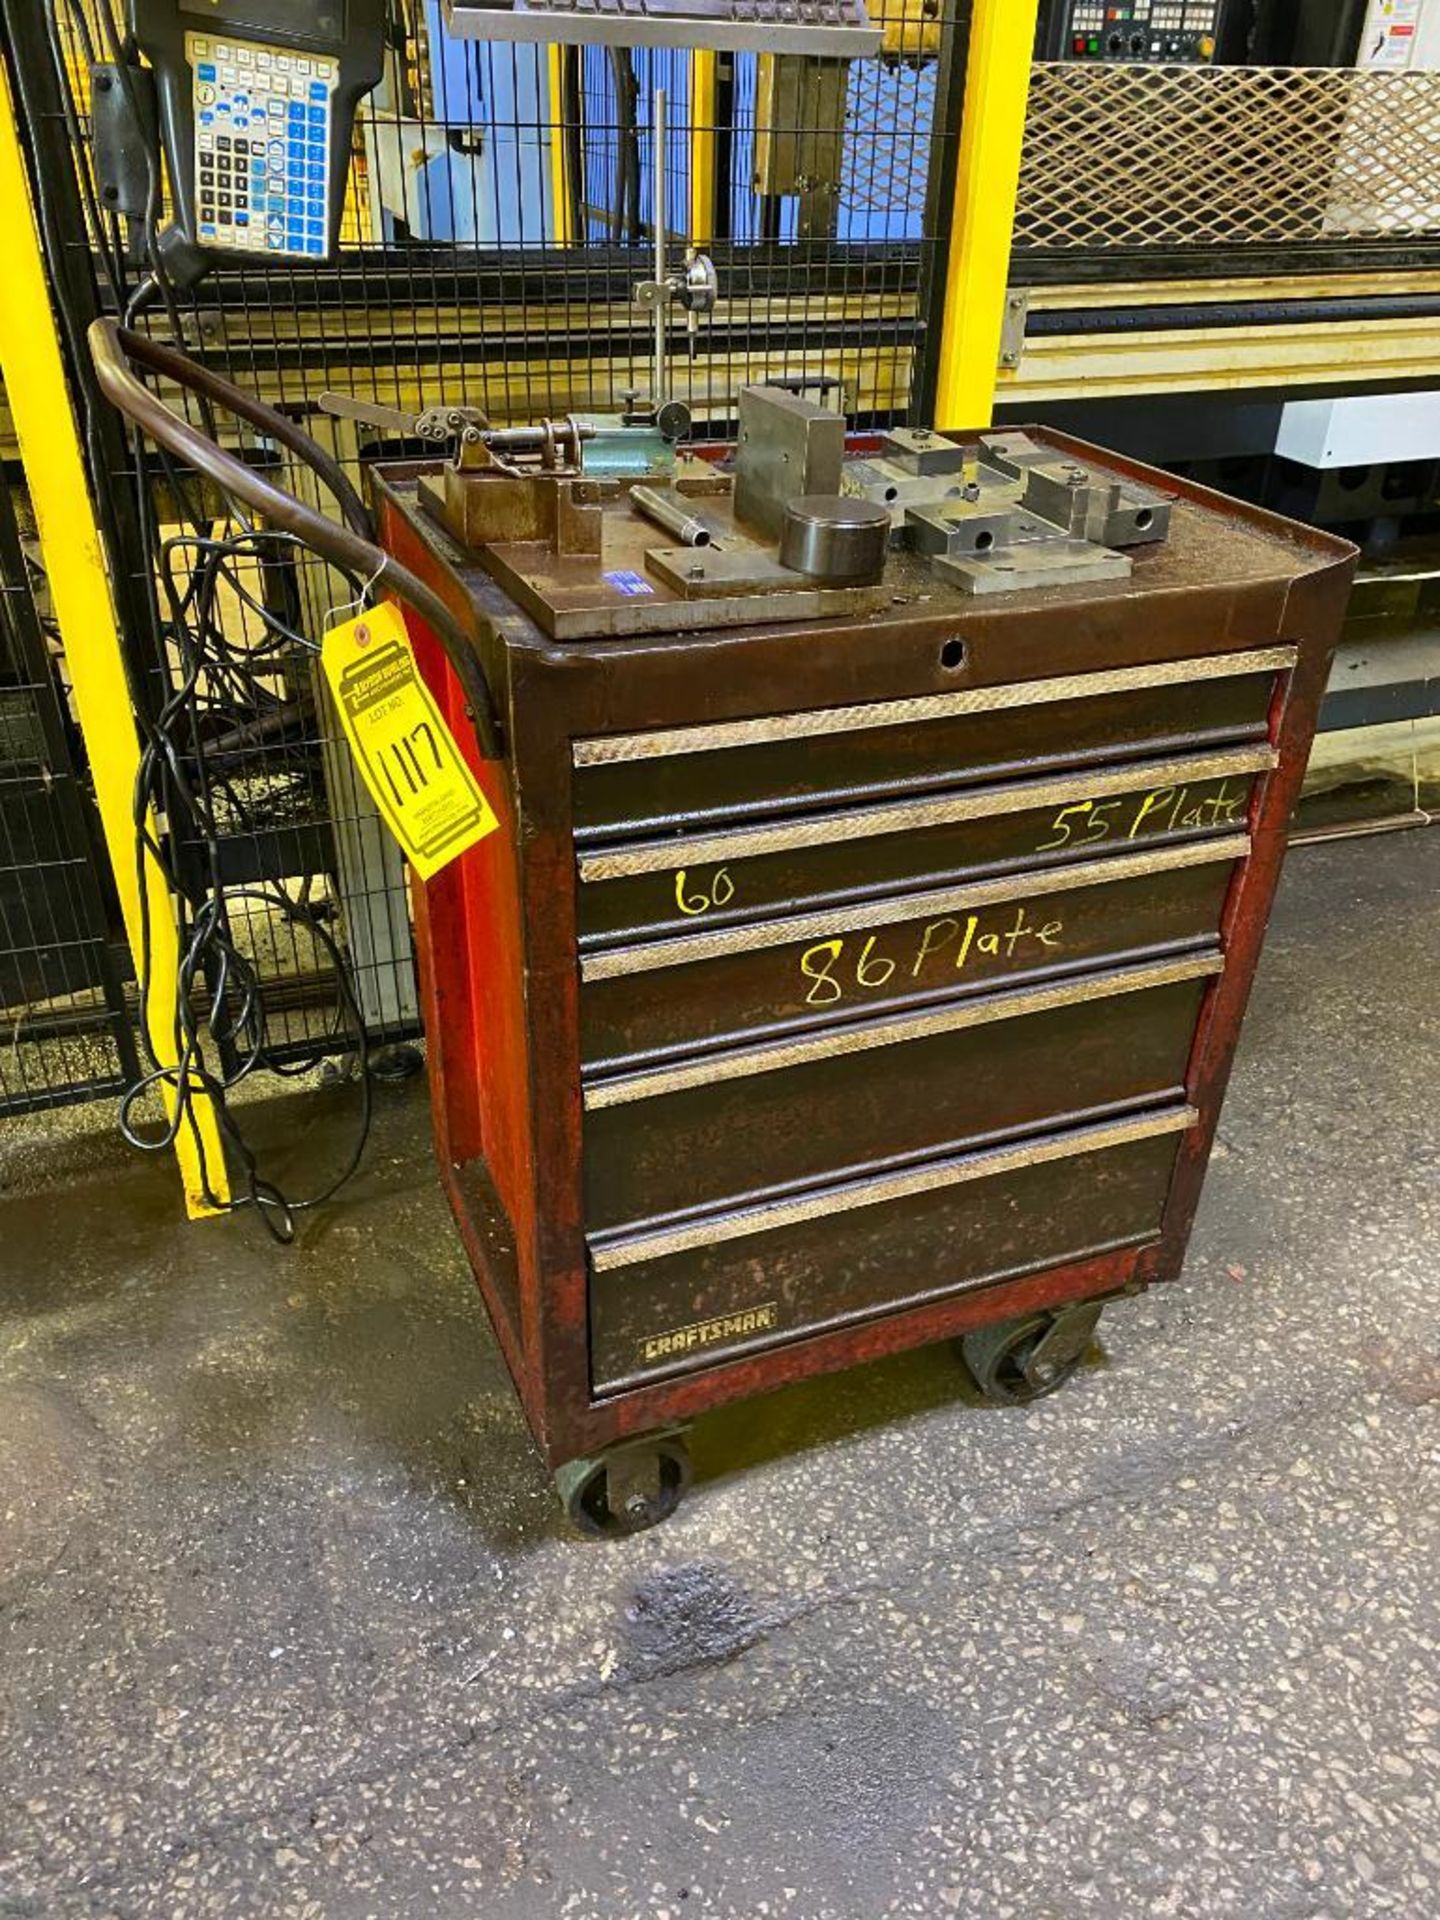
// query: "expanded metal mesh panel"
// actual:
[[886, 170], [1137, 157]]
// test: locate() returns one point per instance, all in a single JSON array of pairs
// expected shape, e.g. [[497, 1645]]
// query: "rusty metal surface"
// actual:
[[783, 774], [899, 957], [716, 1143], [669, 1314], [610, 588], [698, 1128], [666, 883]]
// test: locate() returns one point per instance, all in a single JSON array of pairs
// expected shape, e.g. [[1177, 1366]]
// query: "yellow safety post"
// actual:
[[562, 226], [44, 422], [702, 148], [997, 84]]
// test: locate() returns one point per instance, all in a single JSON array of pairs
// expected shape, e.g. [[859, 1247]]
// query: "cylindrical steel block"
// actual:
[[833, 537]]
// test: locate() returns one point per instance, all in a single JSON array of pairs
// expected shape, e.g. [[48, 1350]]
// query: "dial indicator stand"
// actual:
[[694, 285]]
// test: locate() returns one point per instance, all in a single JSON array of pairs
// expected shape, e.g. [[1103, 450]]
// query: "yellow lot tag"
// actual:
[[406, 754]]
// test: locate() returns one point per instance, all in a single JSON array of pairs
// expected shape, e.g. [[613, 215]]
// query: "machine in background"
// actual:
[[1262, 33], [1173, 32]]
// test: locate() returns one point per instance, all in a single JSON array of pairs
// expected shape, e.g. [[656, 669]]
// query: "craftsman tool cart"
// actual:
[[889, 826]]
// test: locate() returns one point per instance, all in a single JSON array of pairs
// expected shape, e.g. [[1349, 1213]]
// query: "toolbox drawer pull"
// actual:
[[655, 954], [663, 742], [631, 1251], [861, 823], [775, 1056]]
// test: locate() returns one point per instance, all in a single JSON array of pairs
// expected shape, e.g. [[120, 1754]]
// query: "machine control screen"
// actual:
[[1183, 31], [263, 123]]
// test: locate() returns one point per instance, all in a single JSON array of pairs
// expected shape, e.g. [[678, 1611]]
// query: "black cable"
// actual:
[[174, 784], [185, 797]]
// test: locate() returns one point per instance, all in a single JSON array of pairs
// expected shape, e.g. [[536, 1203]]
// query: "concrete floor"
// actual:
[[291, 1625]]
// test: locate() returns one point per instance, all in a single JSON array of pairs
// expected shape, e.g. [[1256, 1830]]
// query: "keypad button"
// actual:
[[317, 116]]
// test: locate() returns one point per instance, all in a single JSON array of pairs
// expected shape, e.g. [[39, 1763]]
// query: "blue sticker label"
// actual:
[[629, 582]]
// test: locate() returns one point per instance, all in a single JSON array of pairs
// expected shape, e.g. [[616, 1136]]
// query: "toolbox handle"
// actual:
[[352, 546]]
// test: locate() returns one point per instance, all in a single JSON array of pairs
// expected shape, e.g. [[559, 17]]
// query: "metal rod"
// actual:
[[660, 379], [689, 531]]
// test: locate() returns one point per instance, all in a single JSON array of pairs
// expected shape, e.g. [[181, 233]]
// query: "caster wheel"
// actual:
[[390, 1065], [628, 1488], [1020, 1360]]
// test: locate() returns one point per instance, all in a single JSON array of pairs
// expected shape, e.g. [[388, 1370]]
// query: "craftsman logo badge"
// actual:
[[406, 754], [708, 1333]]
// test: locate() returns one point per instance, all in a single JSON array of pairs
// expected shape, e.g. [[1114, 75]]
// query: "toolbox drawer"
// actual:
[[699, 880], [631, 783], [667, 996], [755, 1119], [680, 1299]]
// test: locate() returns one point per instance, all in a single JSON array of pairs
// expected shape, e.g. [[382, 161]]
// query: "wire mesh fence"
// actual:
[[1137, 159], [498, 219], [65, 1025]]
